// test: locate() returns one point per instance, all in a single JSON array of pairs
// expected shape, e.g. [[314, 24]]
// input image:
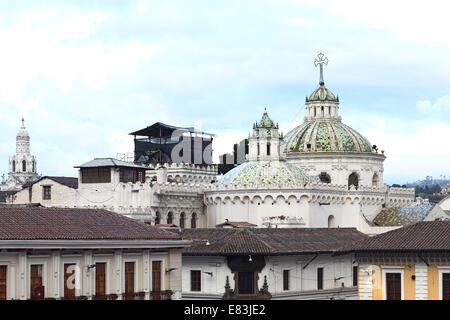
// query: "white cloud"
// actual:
[[411, 20], [412, 155], [441, 104]]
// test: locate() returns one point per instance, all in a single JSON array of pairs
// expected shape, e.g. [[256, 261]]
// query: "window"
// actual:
[[331, 222], [3, 282], [131, 175], [268, 148], [285, 280], [170, 218], [69, 280], [35, 279], [319, 278], [445, 286], [194, 221], [324, 178], [257, 148], [375, 180], [353, 179], [158, 218], [393, 286], [100, 279], [24, 166], [46, 192], [14, 166], [182, 220], [196, 282], [246, 282], [156, 280], [129, 280], [34, 166], [355, 276], [96, 175]]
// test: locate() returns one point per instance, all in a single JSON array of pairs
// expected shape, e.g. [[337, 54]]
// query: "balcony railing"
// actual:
[[153, 295]]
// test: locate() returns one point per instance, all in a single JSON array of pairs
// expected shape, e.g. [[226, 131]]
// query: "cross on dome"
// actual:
[[320, 61]]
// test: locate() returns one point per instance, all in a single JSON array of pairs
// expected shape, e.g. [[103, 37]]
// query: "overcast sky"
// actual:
[[84, 74]]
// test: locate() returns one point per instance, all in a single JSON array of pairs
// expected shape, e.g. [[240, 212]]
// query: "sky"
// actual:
[[84, 74]]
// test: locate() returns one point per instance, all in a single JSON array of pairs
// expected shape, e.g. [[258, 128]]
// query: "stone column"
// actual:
[[56, 259]]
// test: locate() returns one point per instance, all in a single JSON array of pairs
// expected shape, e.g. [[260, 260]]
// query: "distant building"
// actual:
[[54, 253], [22, 165], [410, 263], [269, 263]]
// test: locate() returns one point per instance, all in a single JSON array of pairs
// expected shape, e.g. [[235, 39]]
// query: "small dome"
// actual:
[[322, 135], [322, 93], [265, 121], [266, 173]]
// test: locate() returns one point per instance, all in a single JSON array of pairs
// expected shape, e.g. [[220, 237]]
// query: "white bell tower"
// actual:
[[265, 142], [22, 165]]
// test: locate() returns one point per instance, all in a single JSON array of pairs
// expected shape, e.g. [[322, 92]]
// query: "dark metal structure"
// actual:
[[159, 143]]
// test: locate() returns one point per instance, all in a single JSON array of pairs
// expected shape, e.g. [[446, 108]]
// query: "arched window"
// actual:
[[34, 166], [268, 148], [324, 178], [194, 221], [158, 218], [182, 220], [322, 112], [24, 166], [14, 166], [331, 222], [375, 180], [257, 149], [170, 218], [353, 179]]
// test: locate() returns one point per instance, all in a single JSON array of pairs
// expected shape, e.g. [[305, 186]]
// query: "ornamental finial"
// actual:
[[23, 122], [320, 61]]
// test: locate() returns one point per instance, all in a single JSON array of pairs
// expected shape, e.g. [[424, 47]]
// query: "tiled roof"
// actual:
[[67, 181], [268, 241], [402, 216], [38, 223], [421, 236], [108, 162], [236, 224]]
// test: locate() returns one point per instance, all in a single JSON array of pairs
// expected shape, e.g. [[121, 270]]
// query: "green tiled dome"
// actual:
[[322, 93], [266, 172], [323, 135]]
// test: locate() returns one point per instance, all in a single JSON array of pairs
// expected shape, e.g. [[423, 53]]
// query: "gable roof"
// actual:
[[268, 241], [402, 216], [236, 224], [66, 181], [421, 236], [39, 223], [109, 162]]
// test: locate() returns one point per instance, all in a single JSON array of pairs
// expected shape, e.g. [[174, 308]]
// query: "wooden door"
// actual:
[[446, 286], [35, 278], [3, 282], [129, 280], [69, 280], [156, 280], [100, 280], [393, 286]]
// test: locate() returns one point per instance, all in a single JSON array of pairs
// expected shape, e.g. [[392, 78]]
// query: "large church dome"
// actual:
[[323, 136], [266, 173], [322, 129]]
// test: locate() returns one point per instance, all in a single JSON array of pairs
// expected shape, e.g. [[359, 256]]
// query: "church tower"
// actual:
[[265, 142], [22, 165]]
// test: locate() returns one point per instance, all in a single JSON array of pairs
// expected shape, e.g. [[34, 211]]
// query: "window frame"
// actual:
[[196, 283]]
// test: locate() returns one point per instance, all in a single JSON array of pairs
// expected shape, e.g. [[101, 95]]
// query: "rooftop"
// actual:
[[268, 241], [66, 181], [109, 162], [39, 223], [420, 236]]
